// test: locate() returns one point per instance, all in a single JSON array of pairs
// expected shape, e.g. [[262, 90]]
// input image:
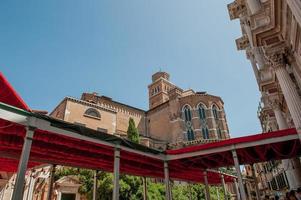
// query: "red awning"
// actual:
[[9, 96], [55, 147], [276, 145]]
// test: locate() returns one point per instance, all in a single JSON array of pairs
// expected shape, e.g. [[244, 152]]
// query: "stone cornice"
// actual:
[[269, 33], [90, 104], [242, 43], [237, 9], [276, 54]]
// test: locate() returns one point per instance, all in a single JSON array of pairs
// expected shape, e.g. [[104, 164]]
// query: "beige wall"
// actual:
[[123, 122], [114, 118], [124, 113], [75, 113]]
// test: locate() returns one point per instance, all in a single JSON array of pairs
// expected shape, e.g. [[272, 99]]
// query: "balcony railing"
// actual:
[[191, 143]]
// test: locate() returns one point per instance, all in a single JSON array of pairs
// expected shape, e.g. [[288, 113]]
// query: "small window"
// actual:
[[91, 112]]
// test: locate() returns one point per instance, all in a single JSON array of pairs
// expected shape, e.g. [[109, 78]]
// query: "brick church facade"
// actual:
[[175, 118]]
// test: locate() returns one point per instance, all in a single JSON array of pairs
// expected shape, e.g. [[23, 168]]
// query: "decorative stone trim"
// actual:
[[193, 142], [90, 104], [242, 43], [93, 117], [236, 9]]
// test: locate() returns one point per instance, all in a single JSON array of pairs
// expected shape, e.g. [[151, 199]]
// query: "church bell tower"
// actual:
[[158, 89]]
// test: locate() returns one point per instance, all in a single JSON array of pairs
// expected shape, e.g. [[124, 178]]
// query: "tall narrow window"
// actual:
[[219, 133], [187, 118], [202, 112], [187, 113], [190, 135], [205, 132], [214, 111]]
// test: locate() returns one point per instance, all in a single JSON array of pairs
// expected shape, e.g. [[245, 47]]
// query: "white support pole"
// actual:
[[237, 190], [207, 193], [19, 184], [224, 187], [94, 185], [217, 193], [144, 188], [116, 173], [50, 183], [167, 185], [255, 182], [240, 183], [29, 184]]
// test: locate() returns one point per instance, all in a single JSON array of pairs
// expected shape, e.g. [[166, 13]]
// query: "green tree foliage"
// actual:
[[131, 187], [132, 132], [188, 191], [84, 176], [195, 192], [155, 191]]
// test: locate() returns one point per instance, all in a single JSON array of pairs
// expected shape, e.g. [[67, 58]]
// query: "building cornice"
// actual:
[[90, 104]]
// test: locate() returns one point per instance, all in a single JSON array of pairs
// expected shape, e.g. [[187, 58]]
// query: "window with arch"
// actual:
[[187, 113], [214, 111], [91, 112], [187, 118], [202, 111], [205, 132], [190, 135], [219, 133]]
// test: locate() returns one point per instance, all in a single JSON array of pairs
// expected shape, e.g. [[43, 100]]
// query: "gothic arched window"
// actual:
[[214, 111], [205, 132], [92, 112], [187, 118], [187, 113], [202, 111]]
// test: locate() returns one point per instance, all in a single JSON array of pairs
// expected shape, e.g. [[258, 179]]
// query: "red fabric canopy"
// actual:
[[55, 148], [246, 155], [9, 96]]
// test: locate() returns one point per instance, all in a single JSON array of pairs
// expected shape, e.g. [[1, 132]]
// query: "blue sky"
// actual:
[[52, 49]]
